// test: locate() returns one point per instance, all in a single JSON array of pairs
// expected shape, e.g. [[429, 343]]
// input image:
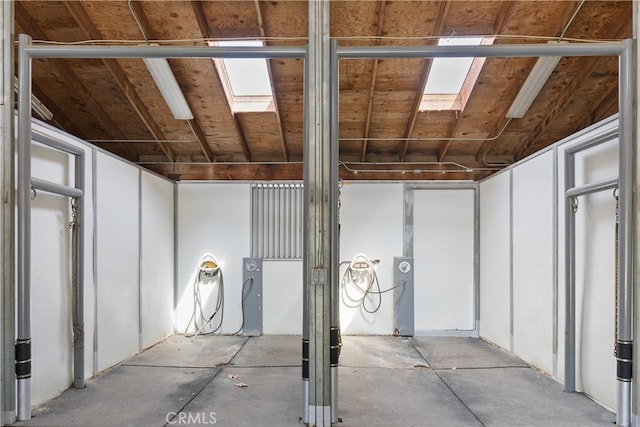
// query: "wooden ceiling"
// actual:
[[116, 105]]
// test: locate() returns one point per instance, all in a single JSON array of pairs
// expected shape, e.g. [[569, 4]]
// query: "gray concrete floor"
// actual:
[[383, 381]]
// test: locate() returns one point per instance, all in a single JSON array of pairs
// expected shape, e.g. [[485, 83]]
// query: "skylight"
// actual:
[[246, 81], [450, 80]]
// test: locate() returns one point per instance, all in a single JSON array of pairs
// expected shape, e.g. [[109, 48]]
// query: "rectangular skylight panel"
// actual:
[[447, 75], [247, 76]]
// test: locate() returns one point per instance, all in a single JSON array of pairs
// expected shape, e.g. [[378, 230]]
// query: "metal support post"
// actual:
[[319, 219], [7, 270], [570, 279], [626, 260], [336, 339], [23, 337]]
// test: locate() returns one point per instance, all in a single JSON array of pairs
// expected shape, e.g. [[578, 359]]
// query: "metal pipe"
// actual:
[[626, 260], [23, 336], [595, 187], [7, 233], [335, 339], [58, 145], [554, 261], [305, 245], [146, 51], [78, 255], [515, 50], [476, 258], [52, 187], [592, 142], [570, 303]]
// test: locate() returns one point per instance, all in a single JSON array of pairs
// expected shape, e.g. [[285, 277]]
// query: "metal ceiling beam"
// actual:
[[374, 77], [120, 77]]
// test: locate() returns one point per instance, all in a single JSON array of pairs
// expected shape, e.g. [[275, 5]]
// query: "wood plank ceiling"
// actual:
[[384, 134]]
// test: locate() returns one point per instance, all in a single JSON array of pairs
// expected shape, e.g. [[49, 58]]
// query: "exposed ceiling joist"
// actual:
[[415, 110], [80, 15], [374, 77]]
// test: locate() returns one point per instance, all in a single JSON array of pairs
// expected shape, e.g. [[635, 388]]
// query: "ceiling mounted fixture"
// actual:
[[168, 85], [533, 85]]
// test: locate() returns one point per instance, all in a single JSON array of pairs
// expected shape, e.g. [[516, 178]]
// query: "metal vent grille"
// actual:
[[276, 221]]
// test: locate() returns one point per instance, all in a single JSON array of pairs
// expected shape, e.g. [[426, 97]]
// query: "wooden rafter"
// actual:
[[415, 110], [203, 24], [501, 17], [561, 101], [283, 141], [73, 81], [372, 86], [119, 76], [59, 116]]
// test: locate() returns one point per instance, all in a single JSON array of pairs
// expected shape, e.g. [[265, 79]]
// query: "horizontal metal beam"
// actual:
[[514, 50], [443, 185], [581, 190], [592, 142], [57, 145], [58, 51], [51, 187]]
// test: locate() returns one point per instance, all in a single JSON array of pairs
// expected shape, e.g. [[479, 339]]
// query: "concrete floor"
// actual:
[[384, 381]]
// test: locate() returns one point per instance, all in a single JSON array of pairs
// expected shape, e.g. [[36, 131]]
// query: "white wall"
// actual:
[[117, 255], [533, 333], [443, 240], [122, 272], [282, 297], [212, 218], [495, 260], [534, 306], [371, 216], [595, 272], [50, 280], [157, 255]]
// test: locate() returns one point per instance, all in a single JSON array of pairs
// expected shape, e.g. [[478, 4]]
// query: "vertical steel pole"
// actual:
[[570, 279], [317, 175], [626, 264], [78, 297], [7, 155], [476, 259], [23, 338], [334, 82]]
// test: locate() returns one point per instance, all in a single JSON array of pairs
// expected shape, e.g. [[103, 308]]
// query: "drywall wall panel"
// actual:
[[495, 260], [213, 218], [595, 276], [51, 335], [157, 256], [443, 222], [117, 260], [533, 261], [371, 223], [282, 302], [50, 269]]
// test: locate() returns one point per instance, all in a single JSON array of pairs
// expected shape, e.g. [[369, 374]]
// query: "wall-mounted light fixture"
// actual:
[[533, 85], [171, 92]]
